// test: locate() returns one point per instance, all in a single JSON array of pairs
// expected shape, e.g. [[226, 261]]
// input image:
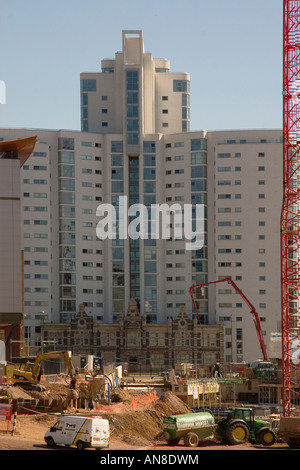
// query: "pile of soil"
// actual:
[[53, 391], [146, 423], [126, 396]]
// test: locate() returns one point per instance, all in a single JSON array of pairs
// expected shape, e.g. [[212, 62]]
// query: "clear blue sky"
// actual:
[[231, 48]]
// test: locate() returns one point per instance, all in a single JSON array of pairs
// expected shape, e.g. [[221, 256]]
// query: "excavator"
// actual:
[[28, 377]]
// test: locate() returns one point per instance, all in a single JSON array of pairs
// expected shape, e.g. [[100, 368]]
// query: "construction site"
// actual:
[[135, 405], [261, 399]]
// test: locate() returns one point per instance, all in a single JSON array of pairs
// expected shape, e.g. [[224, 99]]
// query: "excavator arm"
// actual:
[[31, 373], [52, 355], [252, 310]]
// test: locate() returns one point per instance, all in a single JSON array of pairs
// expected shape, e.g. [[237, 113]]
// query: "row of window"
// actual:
[[237, 168], [237, 155]]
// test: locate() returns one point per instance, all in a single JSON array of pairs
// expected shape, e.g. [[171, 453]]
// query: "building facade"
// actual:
[[136, 144], [13, 155], [142, 346]]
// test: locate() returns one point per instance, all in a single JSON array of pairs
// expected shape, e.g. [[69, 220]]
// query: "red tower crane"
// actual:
[[290, 215]]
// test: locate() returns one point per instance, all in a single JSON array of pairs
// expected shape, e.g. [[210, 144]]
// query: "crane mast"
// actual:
[[290, 214]]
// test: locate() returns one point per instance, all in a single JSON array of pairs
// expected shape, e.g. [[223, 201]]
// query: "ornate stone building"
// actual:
[[144, 346]]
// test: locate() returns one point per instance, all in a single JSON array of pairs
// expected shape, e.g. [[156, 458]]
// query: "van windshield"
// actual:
[[57, 426]]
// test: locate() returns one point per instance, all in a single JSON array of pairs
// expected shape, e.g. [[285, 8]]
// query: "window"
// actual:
[[149, 160], [198, 185], [149, 147], [149, 173], [198, 144], [117, 160], [224, 168], [224, 155], [117, 173], [66, 157], [88, 85], [181, 85], [117, 187]]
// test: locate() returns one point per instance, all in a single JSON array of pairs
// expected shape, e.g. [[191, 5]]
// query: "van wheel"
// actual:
[[80, 445], [50, 442], [191, 439]]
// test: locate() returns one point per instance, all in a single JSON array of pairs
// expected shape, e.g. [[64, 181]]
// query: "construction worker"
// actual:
[[216, 370]]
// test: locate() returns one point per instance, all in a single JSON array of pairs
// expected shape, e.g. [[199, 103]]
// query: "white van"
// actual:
[[79, 431]]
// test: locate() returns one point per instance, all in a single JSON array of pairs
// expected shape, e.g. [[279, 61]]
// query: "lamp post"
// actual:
[[43, 317], [27, 316]]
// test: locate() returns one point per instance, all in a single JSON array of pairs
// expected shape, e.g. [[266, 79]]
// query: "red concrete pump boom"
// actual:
[[252, 309]]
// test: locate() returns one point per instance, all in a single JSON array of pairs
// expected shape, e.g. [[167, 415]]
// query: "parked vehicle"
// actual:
[[240, 426], [262, 369], [191, 427], [79, 431], [289, 430]]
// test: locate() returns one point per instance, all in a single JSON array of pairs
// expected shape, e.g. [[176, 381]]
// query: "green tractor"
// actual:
[[240, 426]]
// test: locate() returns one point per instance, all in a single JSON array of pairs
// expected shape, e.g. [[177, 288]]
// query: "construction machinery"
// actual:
[[29, 376], [289, 430], [290, 214], [198, 289], [240, 426], [192, 428]]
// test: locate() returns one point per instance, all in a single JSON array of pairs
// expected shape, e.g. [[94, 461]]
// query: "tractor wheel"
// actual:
[[191, 439], [266, 437], [237, 433], [293, 443]]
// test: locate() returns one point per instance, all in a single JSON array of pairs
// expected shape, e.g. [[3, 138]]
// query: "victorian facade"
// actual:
[[143, 346]]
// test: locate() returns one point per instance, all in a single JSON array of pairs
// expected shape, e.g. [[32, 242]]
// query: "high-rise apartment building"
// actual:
[[136, 144]]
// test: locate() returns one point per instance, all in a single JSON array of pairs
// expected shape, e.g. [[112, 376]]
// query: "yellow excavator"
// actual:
[[29, 374]]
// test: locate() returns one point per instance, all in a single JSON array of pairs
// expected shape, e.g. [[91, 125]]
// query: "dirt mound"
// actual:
[[126, 396], [53, 391], [146, 423], [14, 393], [169, 404]]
